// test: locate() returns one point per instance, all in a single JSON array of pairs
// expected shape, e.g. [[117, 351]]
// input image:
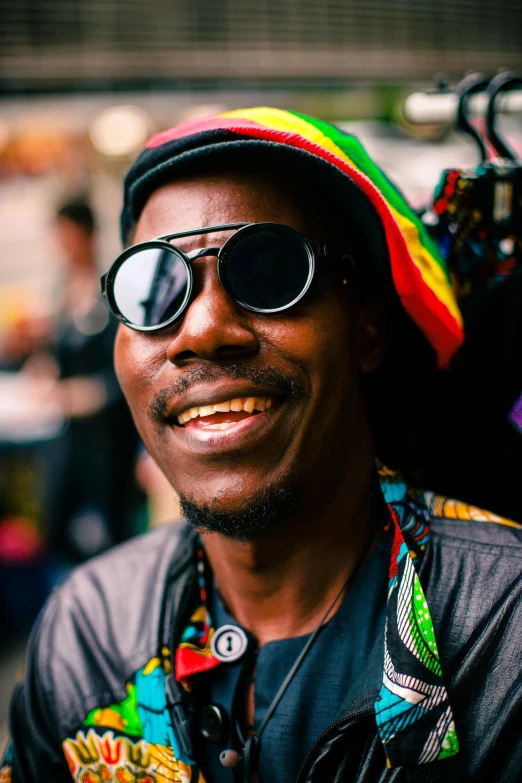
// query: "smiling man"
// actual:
[[311, 619]]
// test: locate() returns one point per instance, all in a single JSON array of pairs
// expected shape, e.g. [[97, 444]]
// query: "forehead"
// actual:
[[207, 200]]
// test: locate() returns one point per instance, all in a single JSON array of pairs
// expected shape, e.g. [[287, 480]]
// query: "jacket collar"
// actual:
[[413, 714]]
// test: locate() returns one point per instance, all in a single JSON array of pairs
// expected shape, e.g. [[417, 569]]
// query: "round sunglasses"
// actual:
[[264, 267]]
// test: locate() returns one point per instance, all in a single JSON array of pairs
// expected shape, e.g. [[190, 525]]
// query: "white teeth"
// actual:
[[248, 404]]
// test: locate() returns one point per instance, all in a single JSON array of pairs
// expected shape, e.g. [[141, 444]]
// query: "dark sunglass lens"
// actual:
[[151, 285], [267, 269]]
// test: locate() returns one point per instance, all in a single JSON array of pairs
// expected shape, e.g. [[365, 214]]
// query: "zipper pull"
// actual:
[[176, 703]]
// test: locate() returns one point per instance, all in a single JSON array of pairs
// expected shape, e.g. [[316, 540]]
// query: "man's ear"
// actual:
[[370, 336]]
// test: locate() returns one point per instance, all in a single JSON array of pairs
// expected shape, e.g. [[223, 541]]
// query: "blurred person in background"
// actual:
[[91, 494]]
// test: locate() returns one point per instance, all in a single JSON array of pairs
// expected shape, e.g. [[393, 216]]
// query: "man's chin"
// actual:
[[265, 511]]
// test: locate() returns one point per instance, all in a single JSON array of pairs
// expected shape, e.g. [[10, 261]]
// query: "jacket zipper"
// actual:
[[328, 731]]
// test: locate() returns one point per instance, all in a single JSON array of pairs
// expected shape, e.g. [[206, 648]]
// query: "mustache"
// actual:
[[264, 376]]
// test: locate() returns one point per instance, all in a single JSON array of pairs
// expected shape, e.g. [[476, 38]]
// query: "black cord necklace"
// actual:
[[252, 746]]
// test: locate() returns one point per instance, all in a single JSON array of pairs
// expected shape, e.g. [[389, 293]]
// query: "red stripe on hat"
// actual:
[[198, 126]]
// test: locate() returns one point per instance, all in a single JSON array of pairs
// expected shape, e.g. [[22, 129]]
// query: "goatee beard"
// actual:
[[267, 510]]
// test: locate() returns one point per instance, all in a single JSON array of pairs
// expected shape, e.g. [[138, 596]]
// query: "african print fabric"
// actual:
[[194, 653], [133, 741], [419, 272], [413, 713]]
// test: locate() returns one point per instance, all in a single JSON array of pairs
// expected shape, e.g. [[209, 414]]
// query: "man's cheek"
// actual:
[[128, 382], [121, 352], [134, 364]]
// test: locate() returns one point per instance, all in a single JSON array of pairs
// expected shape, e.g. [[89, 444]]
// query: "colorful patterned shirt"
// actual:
[[142, 737]]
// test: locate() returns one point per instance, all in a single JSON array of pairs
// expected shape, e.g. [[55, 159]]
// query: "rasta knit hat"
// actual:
[[390, 227]]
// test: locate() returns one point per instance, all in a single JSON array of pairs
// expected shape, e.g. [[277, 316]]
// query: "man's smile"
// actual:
[[222, 415], [226, 416], [221, 437]]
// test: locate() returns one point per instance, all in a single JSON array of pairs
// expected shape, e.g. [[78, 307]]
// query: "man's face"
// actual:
[[303, 362]]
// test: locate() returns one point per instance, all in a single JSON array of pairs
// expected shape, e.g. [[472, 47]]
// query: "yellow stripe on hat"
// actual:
[[430, 271]]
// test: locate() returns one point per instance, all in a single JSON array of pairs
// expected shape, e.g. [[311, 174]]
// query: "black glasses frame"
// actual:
[[314, 250]]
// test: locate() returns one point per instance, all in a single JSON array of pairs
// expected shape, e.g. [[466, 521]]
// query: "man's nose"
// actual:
[[214, 327]]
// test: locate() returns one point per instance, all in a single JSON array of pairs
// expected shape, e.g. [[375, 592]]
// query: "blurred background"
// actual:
[[83, 83]]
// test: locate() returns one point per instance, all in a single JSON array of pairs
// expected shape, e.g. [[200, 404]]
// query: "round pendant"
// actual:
[[228, 643]]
